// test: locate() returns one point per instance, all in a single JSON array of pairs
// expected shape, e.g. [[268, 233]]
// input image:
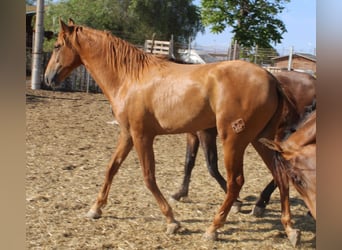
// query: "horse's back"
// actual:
[[301, 86], [236, 81]]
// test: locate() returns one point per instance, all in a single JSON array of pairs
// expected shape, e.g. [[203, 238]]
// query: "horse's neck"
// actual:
[[113, 63], [94, 61], [99, 70], [305, 134]]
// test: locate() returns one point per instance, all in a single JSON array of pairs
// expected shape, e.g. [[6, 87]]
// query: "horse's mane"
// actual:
[[120, 55], [294, 173]]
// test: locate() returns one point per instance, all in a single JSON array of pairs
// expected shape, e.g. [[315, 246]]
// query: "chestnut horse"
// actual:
[[151, 96], [295, 159], [300, 87]]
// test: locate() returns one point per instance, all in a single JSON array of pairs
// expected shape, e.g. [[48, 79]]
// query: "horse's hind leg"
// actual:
[[192, 144], [208, 142], [144, 148], [264, 199], [124, 146], [233, 160]]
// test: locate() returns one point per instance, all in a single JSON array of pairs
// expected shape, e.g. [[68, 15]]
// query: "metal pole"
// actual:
[[171, 53], [289, 66], [229, 51], [88, 80], [235, 48], [189, 48], [255, 54], [38, 46]]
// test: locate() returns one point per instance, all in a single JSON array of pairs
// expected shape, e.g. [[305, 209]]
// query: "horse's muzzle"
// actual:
[[50, 79]]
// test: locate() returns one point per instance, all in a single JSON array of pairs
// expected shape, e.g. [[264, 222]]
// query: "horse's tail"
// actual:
[[289, 111]]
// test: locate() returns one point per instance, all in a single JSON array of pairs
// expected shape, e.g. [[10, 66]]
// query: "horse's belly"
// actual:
[[185, 119], [182, 109]]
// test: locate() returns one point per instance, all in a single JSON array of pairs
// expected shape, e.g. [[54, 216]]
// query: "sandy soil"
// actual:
[[69, 143]]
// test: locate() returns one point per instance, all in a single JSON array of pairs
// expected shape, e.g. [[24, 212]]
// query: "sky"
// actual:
[[299, 17]]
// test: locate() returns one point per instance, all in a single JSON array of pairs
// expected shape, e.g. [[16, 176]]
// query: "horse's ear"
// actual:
[[63, 26], [71, 22], [271, 144]]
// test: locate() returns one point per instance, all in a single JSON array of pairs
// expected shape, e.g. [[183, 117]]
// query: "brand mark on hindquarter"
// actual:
[[238, 125]]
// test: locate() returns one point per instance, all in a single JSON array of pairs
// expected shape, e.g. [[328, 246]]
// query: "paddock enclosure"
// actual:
[[69, 143]]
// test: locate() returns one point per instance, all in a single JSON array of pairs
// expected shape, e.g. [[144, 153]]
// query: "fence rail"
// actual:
[[157, 47]]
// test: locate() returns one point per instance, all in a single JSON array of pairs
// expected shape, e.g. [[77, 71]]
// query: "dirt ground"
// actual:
[[69, 143]]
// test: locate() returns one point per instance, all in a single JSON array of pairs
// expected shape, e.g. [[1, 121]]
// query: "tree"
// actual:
[[166, 17], [133, 20], [100, 14], [253, 22]]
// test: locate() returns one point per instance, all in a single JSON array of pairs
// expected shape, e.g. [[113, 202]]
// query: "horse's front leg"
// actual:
[[282, 182], [124, 147], [144, 148], [192, 144]]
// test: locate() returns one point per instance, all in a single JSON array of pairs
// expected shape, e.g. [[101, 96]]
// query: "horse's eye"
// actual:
[[57, 46]]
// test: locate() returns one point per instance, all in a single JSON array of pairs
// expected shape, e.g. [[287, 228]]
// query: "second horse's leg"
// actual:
[[192, 144], [264, 198], [208, 143]]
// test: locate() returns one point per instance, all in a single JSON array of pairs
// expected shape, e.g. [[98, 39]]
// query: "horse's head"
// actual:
[[64, 56]]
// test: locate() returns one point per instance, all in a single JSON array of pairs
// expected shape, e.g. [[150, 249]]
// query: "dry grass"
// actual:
[[68, 146]]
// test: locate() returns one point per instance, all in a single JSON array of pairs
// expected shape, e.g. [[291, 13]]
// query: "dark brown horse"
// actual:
[[300, 87], [151, 97], [296, 159]]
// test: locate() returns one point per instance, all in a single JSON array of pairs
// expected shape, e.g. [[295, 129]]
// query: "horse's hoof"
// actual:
[[212, 236], [94, 214], [294, 237], [173, 200], [236, 207], [175, 197], [258, 211], [172, 227]]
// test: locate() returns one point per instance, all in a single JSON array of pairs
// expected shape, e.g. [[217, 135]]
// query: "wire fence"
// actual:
[[81, 80]]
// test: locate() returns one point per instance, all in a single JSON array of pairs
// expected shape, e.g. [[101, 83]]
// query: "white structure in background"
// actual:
[[196, 57]]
